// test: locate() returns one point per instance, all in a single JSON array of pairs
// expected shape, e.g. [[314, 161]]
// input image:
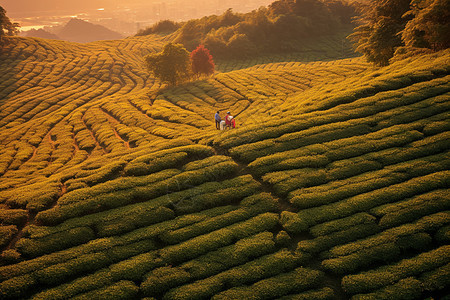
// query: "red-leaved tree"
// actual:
[[202, 61]]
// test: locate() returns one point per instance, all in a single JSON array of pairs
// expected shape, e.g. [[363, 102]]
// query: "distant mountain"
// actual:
[[80, 31], [41, 33]]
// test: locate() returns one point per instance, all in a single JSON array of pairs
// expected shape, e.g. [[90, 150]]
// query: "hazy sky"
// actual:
[[124, 16], [17, 6]]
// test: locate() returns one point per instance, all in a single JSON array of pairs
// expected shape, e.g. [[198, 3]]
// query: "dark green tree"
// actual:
[[172, 65], [7, 28], [380, 25], [430, 25]]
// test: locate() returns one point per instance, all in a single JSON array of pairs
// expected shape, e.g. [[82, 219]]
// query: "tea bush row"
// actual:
[[301, 279], [115, 199], [216, 193], [122, 220], [258, 269], [337, 190], [365, 201], [160, 280], [380, 277], [385, 246]]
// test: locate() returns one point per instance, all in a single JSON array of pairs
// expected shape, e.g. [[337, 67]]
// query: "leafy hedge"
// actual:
[[160, 280], [301, 279], [386, 275], [253, 271]]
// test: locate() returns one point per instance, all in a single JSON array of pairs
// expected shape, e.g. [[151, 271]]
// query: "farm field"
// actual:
[[333, 186]]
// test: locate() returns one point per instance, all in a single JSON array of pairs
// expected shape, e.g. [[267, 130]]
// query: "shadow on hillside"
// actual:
[[326, 49]]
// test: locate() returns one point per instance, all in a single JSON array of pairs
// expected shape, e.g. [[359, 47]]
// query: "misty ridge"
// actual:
[[125, 18], [77, 30]]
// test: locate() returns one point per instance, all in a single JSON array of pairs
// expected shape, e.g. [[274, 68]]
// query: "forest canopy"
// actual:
[[389, 28], [280, 27], [7, 28]]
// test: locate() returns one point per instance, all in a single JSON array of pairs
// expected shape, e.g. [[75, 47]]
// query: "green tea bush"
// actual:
[[421, 148], [315, 135], [426, 224], [382, 253], [343, 224], [408, 288], [308, 156], [135, 267], [116, 185], [219, 238], [204, 163], [323, 243], [107, 250], [102, 174], [13, 216], [437, 279], [162, 279], [6, 234], [37, 247], [84, 264], [34, 197], [320, 294], [17, 287], [283, 239], [250, 272], [411, 209], [166, 159], [366, 201], [132, 220], [436, 128], [80, 285], [443, 235], [121, 290], [377, 278], [164, 162], [291, 222], [417, 241], [106, 201], [87, 263], [9, 256], [253, 205], [286, 181], [341, 189], [300, 279], [245, 184], [390, 139], [225, 192]]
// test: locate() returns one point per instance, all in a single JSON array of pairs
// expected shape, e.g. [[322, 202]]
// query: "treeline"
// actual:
[[395, 28], [7, 28], [279, 27]]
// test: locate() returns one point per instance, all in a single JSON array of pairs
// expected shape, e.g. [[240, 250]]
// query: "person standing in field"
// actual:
[[218, 119], [229, 120]]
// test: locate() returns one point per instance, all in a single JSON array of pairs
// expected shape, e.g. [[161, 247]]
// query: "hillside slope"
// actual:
[[337, 175]]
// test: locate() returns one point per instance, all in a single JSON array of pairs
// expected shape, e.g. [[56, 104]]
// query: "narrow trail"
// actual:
[[330, 280]]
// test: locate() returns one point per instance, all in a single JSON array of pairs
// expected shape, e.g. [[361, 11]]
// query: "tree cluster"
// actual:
[[280, 27], [390, 27], [162, 27], [174, 64], [7, 28]]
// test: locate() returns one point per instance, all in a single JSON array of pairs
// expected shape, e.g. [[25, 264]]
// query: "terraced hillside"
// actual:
[[334, 186]]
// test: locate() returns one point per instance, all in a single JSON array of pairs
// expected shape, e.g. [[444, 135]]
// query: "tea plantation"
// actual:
[[333, 186]]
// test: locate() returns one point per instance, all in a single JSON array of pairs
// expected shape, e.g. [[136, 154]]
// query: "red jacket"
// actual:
[[228, 120]]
